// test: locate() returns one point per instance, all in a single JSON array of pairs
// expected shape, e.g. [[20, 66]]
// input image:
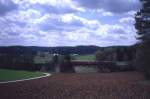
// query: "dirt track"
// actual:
[[123, 85]]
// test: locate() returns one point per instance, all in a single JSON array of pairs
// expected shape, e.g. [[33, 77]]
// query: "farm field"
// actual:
[[122, 85], [48, 58], [9, 75], [85, 57]]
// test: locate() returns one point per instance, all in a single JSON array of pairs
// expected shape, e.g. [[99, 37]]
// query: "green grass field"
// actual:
[[85, 57], [9, 75]]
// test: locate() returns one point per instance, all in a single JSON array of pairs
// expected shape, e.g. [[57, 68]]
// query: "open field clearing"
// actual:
[[85, 57], [123, 85], [10, 75]]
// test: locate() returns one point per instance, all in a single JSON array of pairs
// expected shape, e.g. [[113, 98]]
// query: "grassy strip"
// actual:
[[9, 75]]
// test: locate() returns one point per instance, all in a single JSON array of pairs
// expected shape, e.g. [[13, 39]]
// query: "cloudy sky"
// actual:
[[67, 22]]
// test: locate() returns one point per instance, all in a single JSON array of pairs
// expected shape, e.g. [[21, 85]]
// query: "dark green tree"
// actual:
[[143, 30], [143, 21], [100, 55], [66, 65]]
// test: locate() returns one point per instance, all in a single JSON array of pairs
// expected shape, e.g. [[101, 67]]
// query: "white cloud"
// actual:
[[107, 14], [61, 22], [127, 20], [78, 35]]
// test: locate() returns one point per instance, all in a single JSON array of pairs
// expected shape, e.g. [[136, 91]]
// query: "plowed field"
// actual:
[[123, 85]]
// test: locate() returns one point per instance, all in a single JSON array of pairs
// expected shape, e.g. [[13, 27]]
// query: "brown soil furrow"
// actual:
[[123, 85]]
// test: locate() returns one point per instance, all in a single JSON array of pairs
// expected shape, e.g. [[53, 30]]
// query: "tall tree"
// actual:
[[143, 27], [143, 21]]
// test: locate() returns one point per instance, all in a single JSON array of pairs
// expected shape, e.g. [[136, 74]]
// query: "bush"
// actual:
[[100, 55]]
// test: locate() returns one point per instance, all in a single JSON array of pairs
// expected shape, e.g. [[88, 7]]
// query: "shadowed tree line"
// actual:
[[23, 60]]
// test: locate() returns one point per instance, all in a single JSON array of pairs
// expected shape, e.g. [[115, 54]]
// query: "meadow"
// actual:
[[88, 57], [48, 58], [9, 75]]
